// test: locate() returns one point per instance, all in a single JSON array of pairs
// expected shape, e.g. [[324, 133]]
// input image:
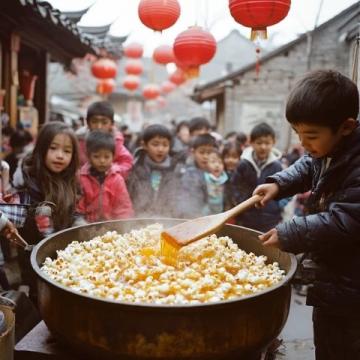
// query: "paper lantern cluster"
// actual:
[[191, 49]]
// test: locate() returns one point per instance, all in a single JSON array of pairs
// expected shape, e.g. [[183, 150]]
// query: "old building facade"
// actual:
[[245, 98]]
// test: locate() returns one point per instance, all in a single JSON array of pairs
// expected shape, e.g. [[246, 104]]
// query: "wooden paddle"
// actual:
[[192, 230]]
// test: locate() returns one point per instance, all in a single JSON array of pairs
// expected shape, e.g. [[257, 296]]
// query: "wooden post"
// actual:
[[11, 76], [41, 94], [14, 51]]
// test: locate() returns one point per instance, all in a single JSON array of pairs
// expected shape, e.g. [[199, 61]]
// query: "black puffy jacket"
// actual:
[[331, 231], [245, 179]]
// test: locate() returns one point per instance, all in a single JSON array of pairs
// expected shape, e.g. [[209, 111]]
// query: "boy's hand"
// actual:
[[270, 238], [268, 191]]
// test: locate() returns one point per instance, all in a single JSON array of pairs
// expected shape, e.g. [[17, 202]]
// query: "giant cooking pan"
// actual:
[[105, 329]]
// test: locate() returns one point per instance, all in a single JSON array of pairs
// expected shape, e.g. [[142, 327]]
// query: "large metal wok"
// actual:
[[104, 329]]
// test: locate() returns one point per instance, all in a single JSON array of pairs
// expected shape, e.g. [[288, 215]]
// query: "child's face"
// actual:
[[101, 160], [215, 164], [201, 156], [184, 134], [231, 159], [320, 141], [157, 148], [59, 154], [101, 123], [262, 146]]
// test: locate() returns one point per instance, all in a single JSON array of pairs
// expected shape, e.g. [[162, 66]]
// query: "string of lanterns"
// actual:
[[192, 47]]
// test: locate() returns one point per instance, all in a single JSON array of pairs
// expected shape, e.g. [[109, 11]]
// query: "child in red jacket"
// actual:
[[105, 196]]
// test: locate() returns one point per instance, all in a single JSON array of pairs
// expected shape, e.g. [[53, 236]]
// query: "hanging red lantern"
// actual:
[[164, 54], [105, 86], [151, 91], [134, 50], [104, 69], [259, 14], [178, 77], [134, 67], [194, 47], [131, 82], [27, 85], [167, 87], [159, 14]]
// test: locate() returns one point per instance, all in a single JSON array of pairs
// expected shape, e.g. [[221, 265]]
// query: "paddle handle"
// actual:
[[247, 204]]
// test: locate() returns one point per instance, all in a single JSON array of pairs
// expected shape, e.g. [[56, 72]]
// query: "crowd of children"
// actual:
[[191, 173]]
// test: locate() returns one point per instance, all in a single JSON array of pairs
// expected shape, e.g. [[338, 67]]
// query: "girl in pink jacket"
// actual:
[[100, 116], [104, 193]]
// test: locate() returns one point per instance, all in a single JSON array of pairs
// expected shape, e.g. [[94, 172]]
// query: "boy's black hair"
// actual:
[[261, 129], [198, 123], [99, 140], [100, 108], [241, 138], [231, 146], [324, 98], [156, 130], [180, 125], [201, 140], [20, 138]]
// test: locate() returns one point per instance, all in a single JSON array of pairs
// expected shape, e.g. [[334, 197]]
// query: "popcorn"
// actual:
[[129, 267]]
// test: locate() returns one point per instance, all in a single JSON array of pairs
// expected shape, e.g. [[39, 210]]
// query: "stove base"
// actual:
[[39, 344]]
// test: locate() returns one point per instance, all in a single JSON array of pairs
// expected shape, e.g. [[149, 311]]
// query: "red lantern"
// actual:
[[164, 54], [151, 91], [104, 69], [194, 47], [27, 84], [259, 14], [105, 86], [178, 77], [158, 14], [134, 50], [131, 82], [134, 67], [167, 87]]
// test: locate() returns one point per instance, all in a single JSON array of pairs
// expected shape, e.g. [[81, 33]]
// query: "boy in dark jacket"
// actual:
[[257, 162], [153, 183], [193, 201], [322, 109]]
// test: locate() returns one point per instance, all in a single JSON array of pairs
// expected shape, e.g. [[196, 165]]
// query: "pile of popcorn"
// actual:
[[129, 267]]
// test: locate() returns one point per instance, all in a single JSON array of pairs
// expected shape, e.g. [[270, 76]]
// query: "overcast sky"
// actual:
[[213, 14]]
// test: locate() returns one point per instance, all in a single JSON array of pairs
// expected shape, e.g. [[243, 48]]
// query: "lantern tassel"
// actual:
[[258, 34], [192, 72], [257, 65]]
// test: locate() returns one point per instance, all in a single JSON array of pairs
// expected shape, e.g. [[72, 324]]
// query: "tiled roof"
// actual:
[[58, 33], [54, 17]]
